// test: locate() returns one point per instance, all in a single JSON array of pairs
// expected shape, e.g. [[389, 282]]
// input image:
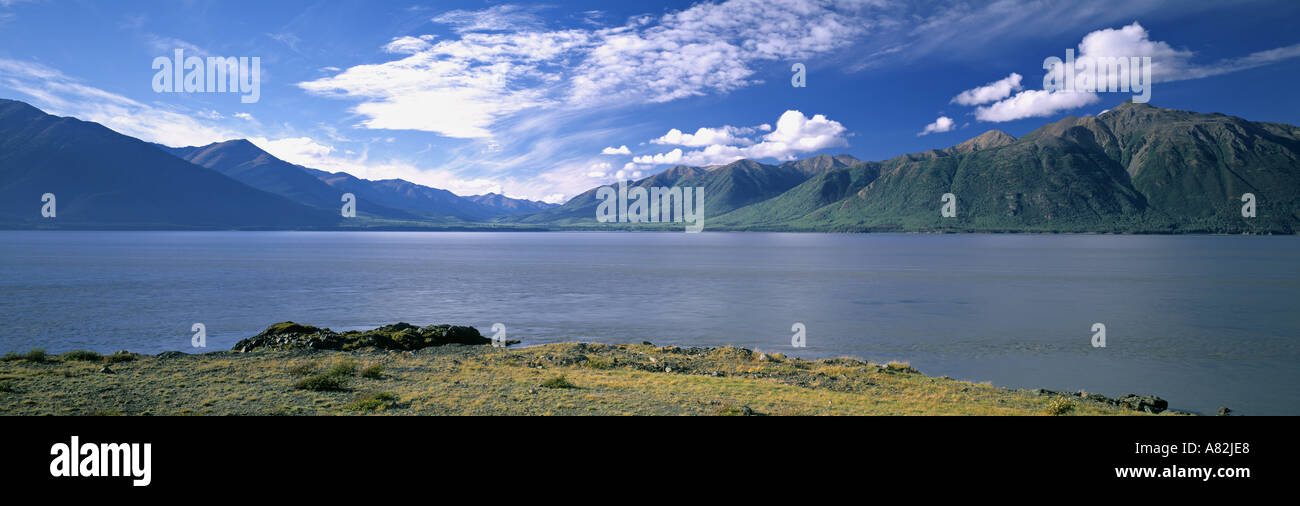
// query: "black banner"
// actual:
[[324, 456]]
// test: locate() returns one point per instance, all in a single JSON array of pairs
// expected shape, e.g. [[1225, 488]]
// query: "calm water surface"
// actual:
[[1201, 321]]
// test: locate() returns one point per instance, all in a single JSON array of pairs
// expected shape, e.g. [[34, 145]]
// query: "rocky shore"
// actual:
[[402, 369]]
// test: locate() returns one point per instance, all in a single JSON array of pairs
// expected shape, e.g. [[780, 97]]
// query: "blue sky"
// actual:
[[523, 98]]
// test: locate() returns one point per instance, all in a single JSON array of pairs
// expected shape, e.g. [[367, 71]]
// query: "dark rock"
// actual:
[[1148, 403], [167, 355], [106, 370], [1224, 411], [746, 411], [397, 337], [647, 343]]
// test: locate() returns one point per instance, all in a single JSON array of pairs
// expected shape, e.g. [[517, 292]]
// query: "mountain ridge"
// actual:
[[1136, 168]]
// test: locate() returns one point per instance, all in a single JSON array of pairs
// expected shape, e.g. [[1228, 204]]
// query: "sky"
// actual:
[[546, 100]]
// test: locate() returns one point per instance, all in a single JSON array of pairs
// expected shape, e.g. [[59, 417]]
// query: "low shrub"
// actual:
[[558, 382], [374, 401], [82, 355], [35, 355]]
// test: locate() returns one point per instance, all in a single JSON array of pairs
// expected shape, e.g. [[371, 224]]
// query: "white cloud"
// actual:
[[409, 45], [670, 157], [621, 150], [60, 94], [795, 134], [1034, 103], [313, 153], [495, 18], [990, 92], [505, 62], [943, 124], [725, 134], [1169, 64], [245, 116]]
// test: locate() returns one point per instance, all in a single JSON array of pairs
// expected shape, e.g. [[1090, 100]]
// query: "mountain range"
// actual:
[[1134, 169]]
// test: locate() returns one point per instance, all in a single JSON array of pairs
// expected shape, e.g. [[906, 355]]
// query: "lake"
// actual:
[[1203, 321]]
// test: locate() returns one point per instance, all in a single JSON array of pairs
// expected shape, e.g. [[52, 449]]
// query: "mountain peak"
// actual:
[[986, 140]]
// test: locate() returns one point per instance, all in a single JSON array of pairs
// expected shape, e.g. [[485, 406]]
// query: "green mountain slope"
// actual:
[[1138, 168]]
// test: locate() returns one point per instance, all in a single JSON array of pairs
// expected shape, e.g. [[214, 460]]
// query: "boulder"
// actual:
[[397, 337], [1148, 403]]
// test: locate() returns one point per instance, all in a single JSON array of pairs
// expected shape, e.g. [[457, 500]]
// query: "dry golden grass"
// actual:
[[480, 380]]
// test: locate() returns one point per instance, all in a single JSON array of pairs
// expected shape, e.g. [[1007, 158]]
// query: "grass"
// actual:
[[35, 355], [373, 372], [322, 383], [336, 378], [82, 355], [481, 380], [303, 368], [598, 363], [374, 401], [558, 382], [8, 386], [1059, 406], [118, 357]]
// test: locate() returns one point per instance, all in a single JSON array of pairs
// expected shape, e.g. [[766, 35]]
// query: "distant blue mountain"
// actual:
[[103, 179], [393, 199], [431, 203], [245, 162]]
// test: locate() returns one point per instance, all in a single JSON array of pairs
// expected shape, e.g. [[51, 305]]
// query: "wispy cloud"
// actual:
[[504, 63]]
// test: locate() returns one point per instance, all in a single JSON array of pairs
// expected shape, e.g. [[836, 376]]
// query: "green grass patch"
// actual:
[[8, 386], [374, 401], [347, 368], [323, 383], [335, 378], [82, 355], [35, 355], [558, 382], [373, 372], [598, 364], [302, 369], [121, 356]]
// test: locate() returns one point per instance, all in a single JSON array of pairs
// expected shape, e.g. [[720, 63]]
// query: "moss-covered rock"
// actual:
[[398, 336]]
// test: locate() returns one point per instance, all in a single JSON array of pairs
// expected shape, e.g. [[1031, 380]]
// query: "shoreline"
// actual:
[[293, 369]]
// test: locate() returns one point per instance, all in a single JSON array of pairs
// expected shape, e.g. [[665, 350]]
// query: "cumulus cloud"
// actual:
[[943, 124], [621, 150], [795, 134], [991, 92], [725, 134], [1034, 103], [1167, 63], [670, 157]]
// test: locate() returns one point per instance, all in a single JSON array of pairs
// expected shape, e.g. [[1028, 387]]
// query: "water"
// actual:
[[1201, 321]]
